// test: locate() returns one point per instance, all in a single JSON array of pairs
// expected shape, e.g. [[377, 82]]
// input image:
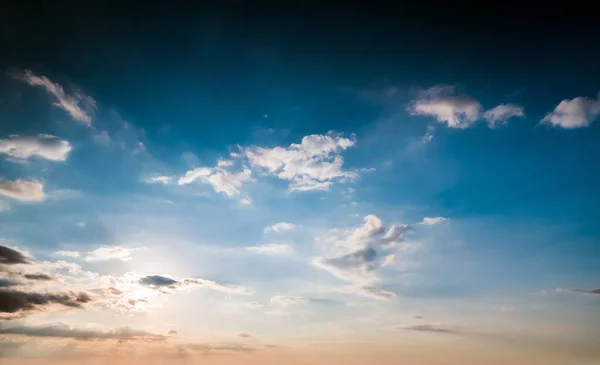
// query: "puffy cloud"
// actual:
[[575, 113], [271, 248], [430, 221], [41, 145], [502, 113], [11, 256], [286, 300], [78, 105], [221, 180], [427, 328], [158, 179], [280, 227], [61, 330], [442, 103], [23, 190], [163, 282], [313, 164], [354, 255], [15, 302]]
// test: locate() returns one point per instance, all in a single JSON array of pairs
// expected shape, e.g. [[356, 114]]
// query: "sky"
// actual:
[[300, 183]]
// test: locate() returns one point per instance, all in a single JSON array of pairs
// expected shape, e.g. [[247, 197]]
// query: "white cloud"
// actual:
[[430, 221], [314, 164], [158, 179], [287, 300], [575, 113], [78, 105], [221, 180], [41, 145], [353, 255], [271, 248], [369, 292], [280, 227], [442, 103], [67, 253], [502, 113], [23, 190]]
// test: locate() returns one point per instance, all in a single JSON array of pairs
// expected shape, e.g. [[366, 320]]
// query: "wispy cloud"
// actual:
[[502, 113], [272, 248], [61, 330], [430, 221], [573, 113], [427, 328], [280, 227], [78, 105], [102, 253], [158, 179], [24, 190], [287, 300], [222, 180], [40, 145]]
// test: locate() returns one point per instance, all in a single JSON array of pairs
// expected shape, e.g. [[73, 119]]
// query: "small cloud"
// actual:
[[286, 300], [41, 145], [158, 179], [280, 227], [221, 180], [161, 282], [24, 190], [110, 253], [78, 105], [427, 328], [38, 277], [502, 113], [430, 221], [102, 138], [442, 103], [67, 253], [172, 333], [369, 292], [16, 302], [575, 113], [272, 248], [418, 317], [244, 335], [592, 291], [253, 305]]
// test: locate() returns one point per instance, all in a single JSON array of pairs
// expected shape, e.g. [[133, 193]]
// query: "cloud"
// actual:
[[502, 113], [10, 256], [314, 164], [61, 330], [68, 253], [23, 190], [15, 301], [575, 113], [353, 256], [78, 105], [221, 180], [40, 145], [418, 317], [280, 227], [442, 103], [162, 282], [158, 179], [287, 300], [430, 221], [38, 277], [102, 253], [592, 291], [172, 333], [7, 283], [427, 328], [253, 305], [244, 335], [271, 248]]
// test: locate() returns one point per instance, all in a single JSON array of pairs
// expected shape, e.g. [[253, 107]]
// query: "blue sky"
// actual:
[[259, 191]]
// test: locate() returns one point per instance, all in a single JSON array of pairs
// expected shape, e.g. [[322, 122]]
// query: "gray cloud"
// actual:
[[161, 282], [244, 335], [38, 276], [427, 328], [6, 283], [592, 291], [23, 190], [15, 301], [9, 256], [158, 281], [65, 331], [418, 317]]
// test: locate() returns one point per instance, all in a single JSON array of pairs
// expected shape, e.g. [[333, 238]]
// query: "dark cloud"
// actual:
[[427, 328], [65, 331], [592, 291], [39, 276], [6, 283], [158, 281], [13, 301], [244, 335], [172, 333], [8, 256]]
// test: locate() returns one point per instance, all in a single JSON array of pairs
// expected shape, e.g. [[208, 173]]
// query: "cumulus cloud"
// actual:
[[271, 248], [221, 180], [502, 113], [158, 179], [313, 164], [23, 190], [280, 227], [430, 221], [354, 255], [78, 105], [162, 282], [574, 113], [442, 103], [287, 300], [13, 302], [427, 328], [62, 330], [41, 145]]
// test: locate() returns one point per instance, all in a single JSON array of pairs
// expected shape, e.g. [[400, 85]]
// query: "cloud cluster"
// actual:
[[459, 111], [574, 113], [78, 105], [45, 146], [313, 164], [23, 190], [354, 255]]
